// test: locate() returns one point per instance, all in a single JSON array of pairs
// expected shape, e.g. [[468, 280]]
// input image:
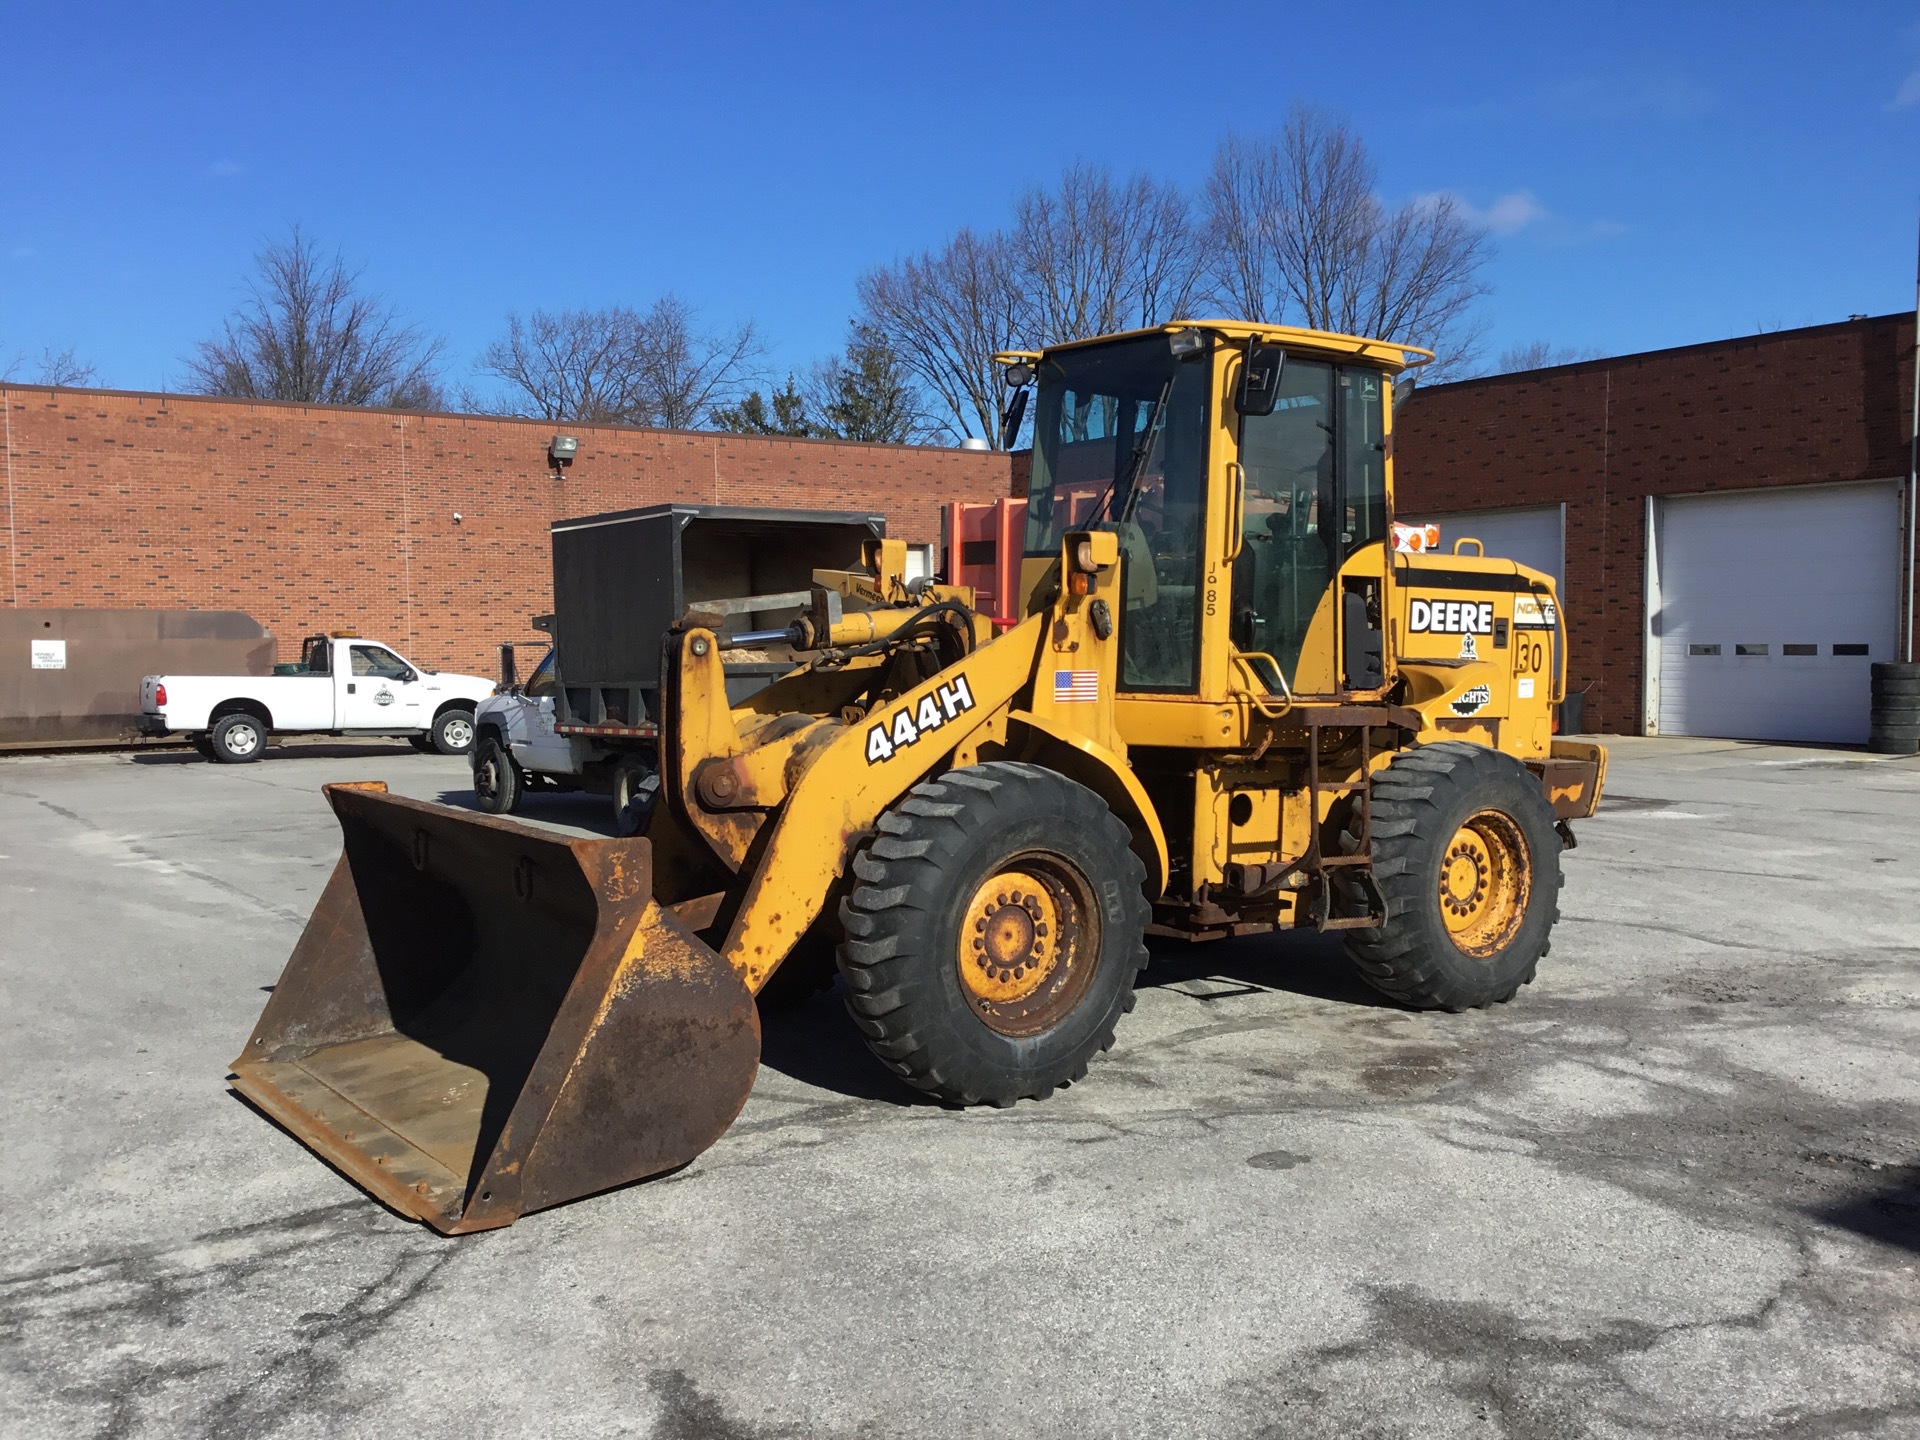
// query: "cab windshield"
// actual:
[[1120, 444]]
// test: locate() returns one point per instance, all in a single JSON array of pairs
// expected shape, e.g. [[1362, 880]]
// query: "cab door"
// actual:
[[378, 690], [1309, 569], [534, 741]]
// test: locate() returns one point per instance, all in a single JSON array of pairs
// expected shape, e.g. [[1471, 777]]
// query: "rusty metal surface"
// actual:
[[483, 1019], [1572, 785]]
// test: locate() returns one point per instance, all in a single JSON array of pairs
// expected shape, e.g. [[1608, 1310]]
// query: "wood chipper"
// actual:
[[1227, 705]]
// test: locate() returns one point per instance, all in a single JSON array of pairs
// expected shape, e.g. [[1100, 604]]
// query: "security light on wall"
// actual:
[[562, 450]]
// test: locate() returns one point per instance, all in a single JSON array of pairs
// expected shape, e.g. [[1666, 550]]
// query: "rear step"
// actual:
[[483, 1019]]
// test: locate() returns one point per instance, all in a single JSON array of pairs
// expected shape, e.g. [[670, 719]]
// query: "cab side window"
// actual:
[[541, 683], [377, 663]]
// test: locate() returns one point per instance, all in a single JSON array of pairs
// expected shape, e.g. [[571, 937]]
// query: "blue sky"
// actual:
[[1655, 174]]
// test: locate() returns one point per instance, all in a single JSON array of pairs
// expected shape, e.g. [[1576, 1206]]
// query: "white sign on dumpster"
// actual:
[[49, 654]]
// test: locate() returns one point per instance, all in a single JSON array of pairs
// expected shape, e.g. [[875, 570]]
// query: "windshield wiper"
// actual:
[[1141, 450]]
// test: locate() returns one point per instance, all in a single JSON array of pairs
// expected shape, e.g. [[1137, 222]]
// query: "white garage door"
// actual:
[[1769, 606], [1533, 536]]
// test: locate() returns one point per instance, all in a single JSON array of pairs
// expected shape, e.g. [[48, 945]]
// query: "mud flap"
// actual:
[[483, 1019]]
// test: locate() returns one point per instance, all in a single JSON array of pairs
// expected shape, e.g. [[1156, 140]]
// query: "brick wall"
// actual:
[[310, 517], [1797, 407]]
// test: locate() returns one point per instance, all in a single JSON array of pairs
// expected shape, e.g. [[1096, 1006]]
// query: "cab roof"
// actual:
[[1389, 355]]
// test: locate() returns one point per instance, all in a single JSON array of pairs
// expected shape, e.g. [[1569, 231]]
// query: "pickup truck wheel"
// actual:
[[453, 732], [496, 779], [237, 739]]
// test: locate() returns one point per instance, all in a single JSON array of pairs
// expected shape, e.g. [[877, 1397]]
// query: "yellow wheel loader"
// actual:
[[1229, 705]]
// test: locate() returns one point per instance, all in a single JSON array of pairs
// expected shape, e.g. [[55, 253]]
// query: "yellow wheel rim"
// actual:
[[1484, 884], [1028, 938]]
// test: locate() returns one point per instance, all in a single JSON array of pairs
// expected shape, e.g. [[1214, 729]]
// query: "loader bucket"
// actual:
[[482, 1019]]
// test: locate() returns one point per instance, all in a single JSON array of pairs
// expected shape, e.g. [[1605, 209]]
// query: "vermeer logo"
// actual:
[[948, 702], [1450, 617]]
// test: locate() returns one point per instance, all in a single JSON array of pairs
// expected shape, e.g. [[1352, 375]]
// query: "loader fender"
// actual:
[[834, 802], [1108, 776]]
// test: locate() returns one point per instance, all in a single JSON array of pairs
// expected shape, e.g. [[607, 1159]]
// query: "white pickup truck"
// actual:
[[341, 685]]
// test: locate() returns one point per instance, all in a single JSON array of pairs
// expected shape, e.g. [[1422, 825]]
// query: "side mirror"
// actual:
[[1011, 417], [1260, 379], [509, 677]]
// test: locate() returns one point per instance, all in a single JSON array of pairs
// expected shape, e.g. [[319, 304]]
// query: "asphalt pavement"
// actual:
[[1673, 1189]]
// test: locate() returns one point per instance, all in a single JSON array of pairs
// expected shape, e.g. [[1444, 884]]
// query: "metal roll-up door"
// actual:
[[1767, 607]]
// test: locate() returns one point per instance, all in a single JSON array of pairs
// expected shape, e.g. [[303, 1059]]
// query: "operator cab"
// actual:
[[1128, 432]]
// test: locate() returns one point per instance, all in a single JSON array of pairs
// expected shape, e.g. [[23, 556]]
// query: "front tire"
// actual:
[[453, 732], [497, 785], [995, 933], [237, 739], [1468, 861]]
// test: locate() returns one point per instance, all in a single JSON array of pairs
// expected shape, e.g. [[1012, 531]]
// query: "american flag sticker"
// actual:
[[1070, 686]]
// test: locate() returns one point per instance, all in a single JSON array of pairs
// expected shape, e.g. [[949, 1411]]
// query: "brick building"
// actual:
[[429, 531], [1726, 518]]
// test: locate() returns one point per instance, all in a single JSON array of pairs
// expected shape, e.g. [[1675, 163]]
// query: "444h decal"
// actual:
[[949, 702]]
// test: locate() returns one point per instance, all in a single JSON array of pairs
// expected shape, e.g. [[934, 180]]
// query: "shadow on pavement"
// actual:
[[1891, 1215], [1297, 962], [344, 750], [816, 1044]]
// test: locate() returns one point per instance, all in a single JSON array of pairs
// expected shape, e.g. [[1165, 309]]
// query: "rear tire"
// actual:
[[453, 732], [994, 933], [237, 739], [1468, 862], [497, 783]]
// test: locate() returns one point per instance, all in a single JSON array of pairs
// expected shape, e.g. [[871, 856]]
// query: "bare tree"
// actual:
[[1089, 256], [307, 333], [1093, 256], [1300, 236], [945, 313], [578, 365], [617, 366], [686, 373], [1539, 355], [56, 367]]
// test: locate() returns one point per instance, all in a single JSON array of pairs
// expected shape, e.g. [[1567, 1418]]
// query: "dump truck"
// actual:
[[1225, 707], [587, 717]]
